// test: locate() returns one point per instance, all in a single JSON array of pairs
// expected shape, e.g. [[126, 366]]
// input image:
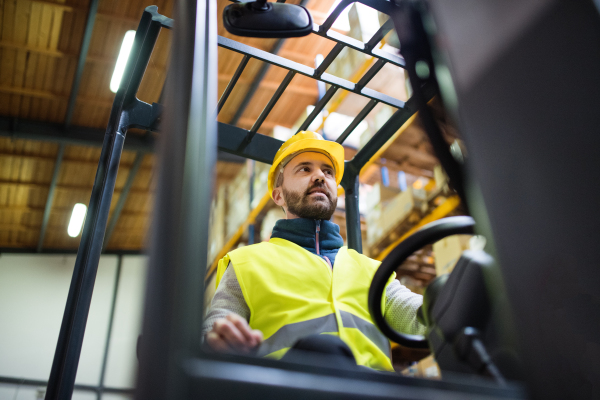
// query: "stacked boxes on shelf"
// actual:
[[448, 250], [216, 238], [397, 210], [440, 177], [386, 207], [261, 174], [238, 201]]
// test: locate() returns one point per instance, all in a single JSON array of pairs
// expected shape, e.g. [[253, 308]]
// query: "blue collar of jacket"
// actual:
[[303, 232]]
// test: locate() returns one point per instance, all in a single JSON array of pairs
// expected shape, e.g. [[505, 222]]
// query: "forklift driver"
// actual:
[[280, 296]]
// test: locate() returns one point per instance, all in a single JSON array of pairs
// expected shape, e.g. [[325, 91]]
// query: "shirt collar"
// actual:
[[302, 231]]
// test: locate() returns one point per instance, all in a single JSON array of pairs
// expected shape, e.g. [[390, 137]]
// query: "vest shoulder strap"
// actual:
[[243, 253]]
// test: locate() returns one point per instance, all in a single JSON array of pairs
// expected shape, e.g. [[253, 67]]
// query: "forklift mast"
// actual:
[[524, 96]]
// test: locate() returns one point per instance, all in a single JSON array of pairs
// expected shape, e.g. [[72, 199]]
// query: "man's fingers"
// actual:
[[242, 325], [217, 343], [230, 333], [233, 333], [258, 336]]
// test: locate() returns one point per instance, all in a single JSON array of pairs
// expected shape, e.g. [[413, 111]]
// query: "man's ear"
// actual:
[[278, 196]]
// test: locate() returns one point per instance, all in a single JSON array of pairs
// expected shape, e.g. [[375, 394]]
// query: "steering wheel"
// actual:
[[429, 234]]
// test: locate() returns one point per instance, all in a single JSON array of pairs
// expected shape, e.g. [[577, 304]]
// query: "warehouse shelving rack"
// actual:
[[172, 364]]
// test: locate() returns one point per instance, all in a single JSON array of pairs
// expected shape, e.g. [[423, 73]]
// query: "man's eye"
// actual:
[[329, 172]]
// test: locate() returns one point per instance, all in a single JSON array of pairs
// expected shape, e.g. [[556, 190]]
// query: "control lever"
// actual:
[[469, 347]]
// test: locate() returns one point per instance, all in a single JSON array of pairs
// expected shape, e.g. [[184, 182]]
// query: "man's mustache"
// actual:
[[319, 186]]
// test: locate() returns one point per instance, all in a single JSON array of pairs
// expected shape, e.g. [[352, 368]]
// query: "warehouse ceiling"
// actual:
[[56, 63]]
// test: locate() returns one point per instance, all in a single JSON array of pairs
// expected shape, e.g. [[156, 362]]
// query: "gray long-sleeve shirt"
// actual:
[[400, 306]]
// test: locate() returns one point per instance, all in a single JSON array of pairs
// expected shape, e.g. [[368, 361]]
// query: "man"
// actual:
[[277, 295]]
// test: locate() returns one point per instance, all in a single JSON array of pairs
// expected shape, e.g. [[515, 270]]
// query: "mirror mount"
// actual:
[[260, 5], [264, 19]]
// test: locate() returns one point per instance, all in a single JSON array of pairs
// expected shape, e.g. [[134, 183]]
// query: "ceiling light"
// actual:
[[77, 218], [115, 81]]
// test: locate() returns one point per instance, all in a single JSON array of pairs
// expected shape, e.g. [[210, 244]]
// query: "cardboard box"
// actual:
[[374, 229], [397, 210], [375, 201], [216, 238], [238, 202], [380, 195], [447, 252], [260, 182], [387, 207], [426, 368], [440, 177]]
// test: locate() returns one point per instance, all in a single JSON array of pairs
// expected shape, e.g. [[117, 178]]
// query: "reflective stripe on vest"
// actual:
[[293, 293], [287, 335], [367, 329]]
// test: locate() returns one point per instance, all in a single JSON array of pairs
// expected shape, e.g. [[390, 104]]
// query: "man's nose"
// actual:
[[318, 175]]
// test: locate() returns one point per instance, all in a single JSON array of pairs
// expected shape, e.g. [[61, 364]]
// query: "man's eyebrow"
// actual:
[[310, 163], [304, 163]]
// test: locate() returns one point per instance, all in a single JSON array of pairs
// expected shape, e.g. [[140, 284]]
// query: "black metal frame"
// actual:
[[254, 146], [127, 112], [172, 364], [50, 199]]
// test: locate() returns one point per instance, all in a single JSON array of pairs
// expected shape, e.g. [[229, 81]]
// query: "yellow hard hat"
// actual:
[[307, 141]]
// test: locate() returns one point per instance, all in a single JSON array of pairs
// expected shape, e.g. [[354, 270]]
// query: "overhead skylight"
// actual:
[[368, 17], [336, 124]]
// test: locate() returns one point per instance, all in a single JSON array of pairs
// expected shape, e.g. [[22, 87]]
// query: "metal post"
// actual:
[[111, 320], [174, 293], [70, 339], [353, 232], [251, 230], [50, 199], [112, 224], [127, 111]]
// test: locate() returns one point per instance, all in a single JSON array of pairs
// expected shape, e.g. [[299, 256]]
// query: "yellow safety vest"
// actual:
[[292, 293]]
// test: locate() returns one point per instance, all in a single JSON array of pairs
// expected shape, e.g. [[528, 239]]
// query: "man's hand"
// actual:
[[232, 334]]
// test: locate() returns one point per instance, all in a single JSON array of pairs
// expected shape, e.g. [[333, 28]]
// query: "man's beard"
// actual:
[[301, 205]]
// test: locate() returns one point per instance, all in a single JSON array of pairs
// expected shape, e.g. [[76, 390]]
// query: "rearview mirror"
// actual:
[[267, 20]]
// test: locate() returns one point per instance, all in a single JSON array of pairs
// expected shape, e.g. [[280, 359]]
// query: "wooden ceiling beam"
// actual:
[[112, 60], [81, 60], [6, 44], [44, 94], [37, 185], [24, 129], [68, 160], [62, 210], [57, 228], [80, 9]]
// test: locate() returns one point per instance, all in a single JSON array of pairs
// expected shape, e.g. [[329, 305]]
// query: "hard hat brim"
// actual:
[[333, 150]]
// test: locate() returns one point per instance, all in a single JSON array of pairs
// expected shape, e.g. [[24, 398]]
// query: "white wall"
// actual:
[[127, 324], [16, 392], [33, 293]]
